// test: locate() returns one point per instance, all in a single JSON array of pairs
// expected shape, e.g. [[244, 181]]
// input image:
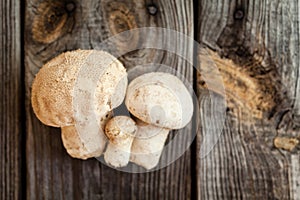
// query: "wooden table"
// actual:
[[254, 44]]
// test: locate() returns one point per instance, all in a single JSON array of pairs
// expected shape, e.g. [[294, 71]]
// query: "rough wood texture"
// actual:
[[10, 106], [56, 26], [254, 44], [257, 45]]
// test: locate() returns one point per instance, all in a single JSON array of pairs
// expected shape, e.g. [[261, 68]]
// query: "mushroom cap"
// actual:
[[120, 130], [160, 99], [53, 88]]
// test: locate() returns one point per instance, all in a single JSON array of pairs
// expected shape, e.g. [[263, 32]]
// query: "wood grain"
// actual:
[[260, 41], [11, 129], [53, 27]]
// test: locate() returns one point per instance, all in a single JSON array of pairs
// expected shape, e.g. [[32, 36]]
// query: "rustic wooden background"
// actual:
[[254, 43]]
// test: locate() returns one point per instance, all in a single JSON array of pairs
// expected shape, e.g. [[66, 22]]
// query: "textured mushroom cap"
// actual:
[[119, 129], [82, 146], [160, 99], [53, 87], [148, 144]]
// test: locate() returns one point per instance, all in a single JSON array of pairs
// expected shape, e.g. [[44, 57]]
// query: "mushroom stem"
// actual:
[[148, 144], [82, 146], [85, 144], [117, 155], [121, 131]]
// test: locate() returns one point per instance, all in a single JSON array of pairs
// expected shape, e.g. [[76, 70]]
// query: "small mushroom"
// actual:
[[120, 131], [54, 94], [162, 101]]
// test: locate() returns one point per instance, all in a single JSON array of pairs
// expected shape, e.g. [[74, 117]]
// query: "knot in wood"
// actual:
[[239, 14], [121, 20], [70, 7], [152, 9], [256, 95], [120, 23], [50, 22]]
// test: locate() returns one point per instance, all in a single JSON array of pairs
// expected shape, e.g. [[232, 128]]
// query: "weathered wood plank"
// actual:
[[10, 106], [295, 176], [53, 27], [257, 45]]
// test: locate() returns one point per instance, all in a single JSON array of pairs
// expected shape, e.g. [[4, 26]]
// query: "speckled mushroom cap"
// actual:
[[160, 99], [119, 129], [53, 87]]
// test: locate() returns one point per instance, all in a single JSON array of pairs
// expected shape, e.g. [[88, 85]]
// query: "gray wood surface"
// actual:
[[53, 27], [255, 46], [11, 129], [260, 41]]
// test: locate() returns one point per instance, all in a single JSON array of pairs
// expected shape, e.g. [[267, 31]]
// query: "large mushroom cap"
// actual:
[[160, 99], [53, 87]]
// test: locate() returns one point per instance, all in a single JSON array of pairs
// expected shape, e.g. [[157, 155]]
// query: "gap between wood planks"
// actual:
[[23, 105], [194, 160]]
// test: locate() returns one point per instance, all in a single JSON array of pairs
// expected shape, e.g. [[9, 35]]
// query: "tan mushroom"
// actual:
[[53, 86], [54, 94], [162, 101], [120, 131]]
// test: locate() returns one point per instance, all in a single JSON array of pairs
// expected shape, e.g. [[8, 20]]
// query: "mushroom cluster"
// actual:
[[159, 102]]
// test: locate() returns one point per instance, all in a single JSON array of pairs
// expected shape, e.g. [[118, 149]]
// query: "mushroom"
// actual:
[[120, 131], [54, 96], [162, 101]]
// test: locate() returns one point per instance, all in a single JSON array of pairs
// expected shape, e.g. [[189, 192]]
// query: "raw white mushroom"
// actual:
[[56, 103], [120, 131], [162, 101], [53, 87], [148, 145]]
